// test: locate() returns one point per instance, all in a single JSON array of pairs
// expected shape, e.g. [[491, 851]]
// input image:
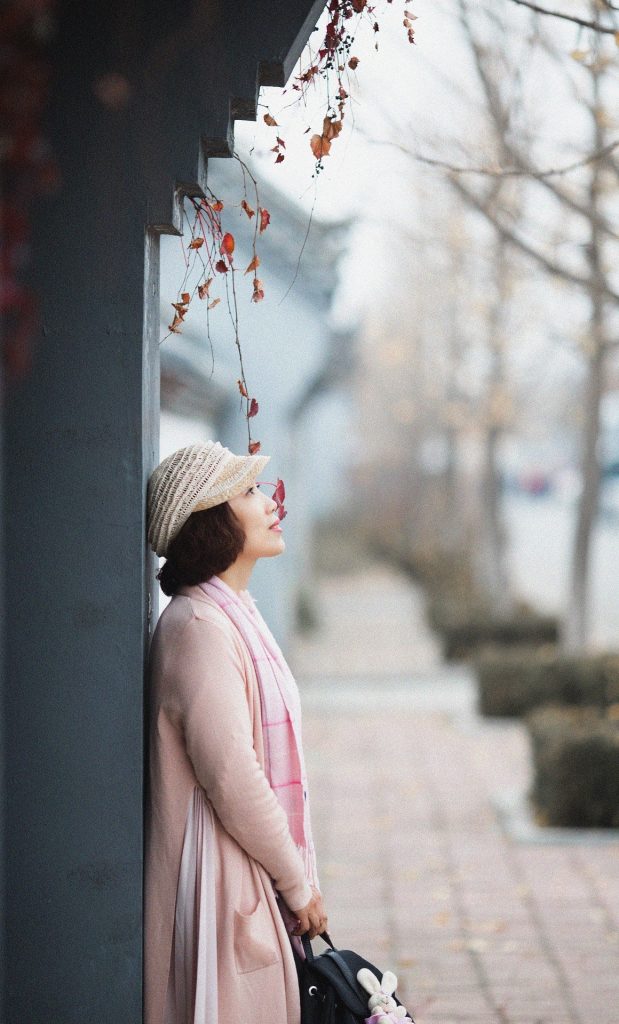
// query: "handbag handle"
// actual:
[[334, 954], [307, 944]]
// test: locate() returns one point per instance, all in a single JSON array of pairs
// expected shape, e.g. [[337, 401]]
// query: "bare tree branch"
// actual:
[[556, 269], [501, 172], [583, 22], [500, 116]]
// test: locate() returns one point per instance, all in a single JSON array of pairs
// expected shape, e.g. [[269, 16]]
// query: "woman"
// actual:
[[231, 877]]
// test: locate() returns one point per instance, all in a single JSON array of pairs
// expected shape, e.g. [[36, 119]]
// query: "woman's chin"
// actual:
[[275, 546], [281, 546]]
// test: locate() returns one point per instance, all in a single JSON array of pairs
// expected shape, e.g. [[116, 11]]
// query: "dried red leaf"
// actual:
[[307, 76], [196, 243], [280, 142], [227, 245], [221, 267], [320, 146], [214, 303], [253, 447], [248, 210], [265, 219], [272, 123], [258, 292], [217, 205], [255, 263], [253, 408], [353, 63], [358, 5], [279, 158], [203, 288], [331, 129], [242, 389], [185, 297]]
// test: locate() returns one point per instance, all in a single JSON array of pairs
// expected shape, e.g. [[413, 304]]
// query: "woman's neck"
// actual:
[[238, 574]]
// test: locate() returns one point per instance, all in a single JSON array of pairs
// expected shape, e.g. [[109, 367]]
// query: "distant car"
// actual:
[[535, 482]]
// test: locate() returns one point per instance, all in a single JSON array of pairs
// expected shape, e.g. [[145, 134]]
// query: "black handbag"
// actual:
[[329, 990]]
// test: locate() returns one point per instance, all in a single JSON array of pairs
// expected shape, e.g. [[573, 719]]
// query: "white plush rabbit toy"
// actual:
[[382, 1006]]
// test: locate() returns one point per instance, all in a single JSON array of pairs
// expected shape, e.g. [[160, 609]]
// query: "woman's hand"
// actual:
[[312, 918]]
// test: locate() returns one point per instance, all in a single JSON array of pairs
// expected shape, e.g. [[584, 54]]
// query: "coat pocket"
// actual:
[[254, 938]]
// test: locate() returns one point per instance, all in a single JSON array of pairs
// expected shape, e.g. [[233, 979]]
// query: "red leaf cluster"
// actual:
[[408, 17], [253, 408], [253, 447], [180, 314], [265, 219], [321, 144]]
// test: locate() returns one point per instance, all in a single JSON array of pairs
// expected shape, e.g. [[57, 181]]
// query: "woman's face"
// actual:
[[258, 517]]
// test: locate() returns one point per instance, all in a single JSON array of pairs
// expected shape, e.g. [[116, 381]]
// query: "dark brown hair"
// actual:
[[208, 543]]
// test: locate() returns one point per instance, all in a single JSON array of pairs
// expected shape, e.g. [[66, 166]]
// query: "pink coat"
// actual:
[[206, 732]]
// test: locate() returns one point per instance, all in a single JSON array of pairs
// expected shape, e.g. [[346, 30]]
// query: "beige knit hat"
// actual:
[[191, 479]]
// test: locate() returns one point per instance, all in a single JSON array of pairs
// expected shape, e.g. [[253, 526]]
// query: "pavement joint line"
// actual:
[[441, 825], [611, 922], [533, 909], [532, 905]]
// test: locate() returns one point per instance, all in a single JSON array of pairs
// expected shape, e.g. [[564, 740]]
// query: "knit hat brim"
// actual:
[[193, 479]]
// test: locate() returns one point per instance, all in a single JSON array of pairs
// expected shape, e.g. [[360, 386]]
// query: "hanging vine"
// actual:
[[210, 272]]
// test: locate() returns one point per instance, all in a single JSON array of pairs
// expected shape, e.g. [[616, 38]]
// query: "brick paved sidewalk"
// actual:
[[417, 873]]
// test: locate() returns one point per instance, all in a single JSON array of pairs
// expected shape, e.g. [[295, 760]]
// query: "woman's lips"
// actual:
[[276, 527]]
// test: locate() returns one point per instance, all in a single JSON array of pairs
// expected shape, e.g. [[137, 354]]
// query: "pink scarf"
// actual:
[[281, 716]]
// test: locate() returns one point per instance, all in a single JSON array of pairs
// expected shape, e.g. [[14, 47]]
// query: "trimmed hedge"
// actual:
[[512, 683], [464, 636], [576, 762], [456, 610]]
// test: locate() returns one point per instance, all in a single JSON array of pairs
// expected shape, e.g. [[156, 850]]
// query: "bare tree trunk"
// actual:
[[576, 627], [454, 521], [491, 563]]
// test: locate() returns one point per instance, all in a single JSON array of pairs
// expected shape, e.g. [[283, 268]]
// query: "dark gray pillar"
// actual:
[[80, 439]]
